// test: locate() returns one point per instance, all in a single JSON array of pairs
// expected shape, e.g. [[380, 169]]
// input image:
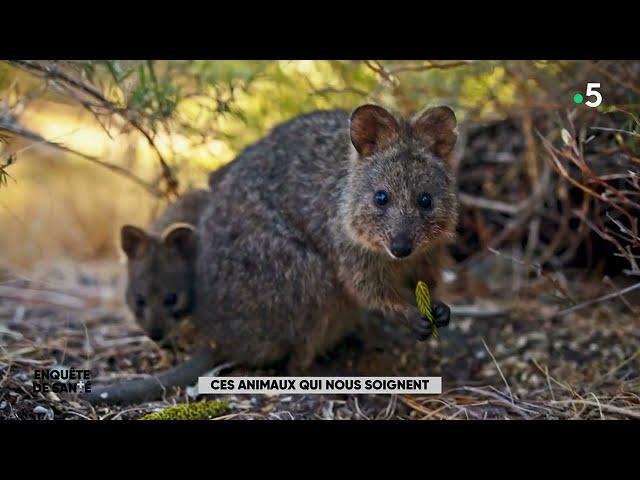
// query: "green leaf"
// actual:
[[423, 301]]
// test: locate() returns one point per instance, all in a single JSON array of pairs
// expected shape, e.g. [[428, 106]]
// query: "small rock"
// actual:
[[40, 410], [192, 392]]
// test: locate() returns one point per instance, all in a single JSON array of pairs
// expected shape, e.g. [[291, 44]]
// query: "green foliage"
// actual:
[[201, 113], [190, 411]]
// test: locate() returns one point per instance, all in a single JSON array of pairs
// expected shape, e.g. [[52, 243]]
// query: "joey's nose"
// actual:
[[156, 334], [401, 246]]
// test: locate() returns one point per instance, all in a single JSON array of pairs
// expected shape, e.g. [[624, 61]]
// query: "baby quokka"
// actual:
[[161, 267]]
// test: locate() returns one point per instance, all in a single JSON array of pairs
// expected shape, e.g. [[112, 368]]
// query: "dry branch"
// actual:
[[77, 88], [603, 298]]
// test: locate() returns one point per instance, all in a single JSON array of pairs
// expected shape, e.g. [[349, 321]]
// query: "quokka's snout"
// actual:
[[401, 245], [156, 334]]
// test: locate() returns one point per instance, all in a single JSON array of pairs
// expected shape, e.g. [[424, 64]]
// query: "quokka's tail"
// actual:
[[155, 386]]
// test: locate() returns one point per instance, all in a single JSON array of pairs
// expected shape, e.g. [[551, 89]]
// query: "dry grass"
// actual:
[[522, 365]]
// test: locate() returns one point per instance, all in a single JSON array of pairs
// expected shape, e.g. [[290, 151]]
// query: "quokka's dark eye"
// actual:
[[381, 198], [424, 201], [170, 299], [140, 301]]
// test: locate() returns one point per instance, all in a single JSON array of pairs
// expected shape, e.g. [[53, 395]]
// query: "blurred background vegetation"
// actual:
[[90, 145]]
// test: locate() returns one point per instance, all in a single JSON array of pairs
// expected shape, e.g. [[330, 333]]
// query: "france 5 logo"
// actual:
[[591, 92]]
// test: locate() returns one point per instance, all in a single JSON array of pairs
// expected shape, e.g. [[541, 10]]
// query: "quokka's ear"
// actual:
[[182, 237], [372, 128], [436, 127], [134, 241]]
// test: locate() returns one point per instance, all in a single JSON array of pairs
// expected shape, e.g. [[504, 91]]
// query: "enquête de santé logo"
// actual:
[[61, 380]]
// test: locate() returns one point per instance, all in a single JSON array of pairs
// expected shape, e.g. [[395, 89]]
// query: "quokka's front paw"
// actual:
[[421, 327], [441, 314], [441, 317]]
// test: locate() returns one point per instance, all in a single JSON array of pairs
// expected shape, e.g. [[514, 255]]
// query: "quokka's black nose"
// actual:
[[401, 246], [156, 334]]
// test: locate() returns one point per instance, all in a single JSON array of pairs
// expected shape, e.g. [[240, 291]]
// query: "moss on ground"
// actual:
[[190, 411]]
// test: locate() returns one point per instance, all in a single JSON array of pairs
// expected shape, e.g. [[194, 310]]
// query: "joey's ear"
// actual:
[[182, 237], [436, 127], [134, 241], [372, 128]]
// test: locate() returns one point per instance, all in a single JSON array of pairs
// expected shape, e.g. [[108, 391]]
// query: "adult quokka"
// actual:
[[327, 215]]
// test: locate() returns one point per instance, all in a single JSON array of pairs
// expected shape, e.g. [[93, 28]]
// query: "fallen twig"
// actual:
[[588, 303], [610, 408]]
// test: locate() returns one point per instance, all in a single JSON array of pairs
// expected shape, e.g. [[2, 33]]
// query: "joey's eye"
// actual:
[[424, 201], [381, 198], [170, 299], [140, 301]]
